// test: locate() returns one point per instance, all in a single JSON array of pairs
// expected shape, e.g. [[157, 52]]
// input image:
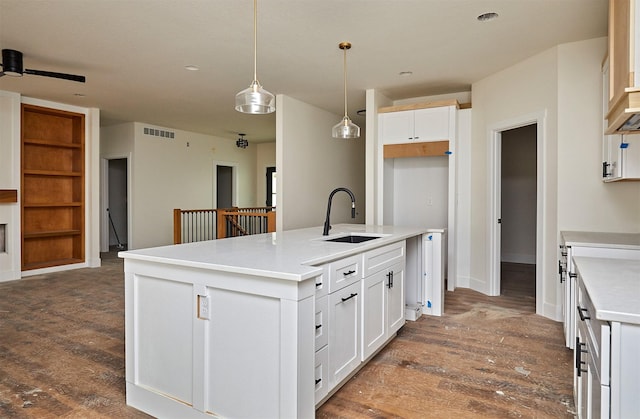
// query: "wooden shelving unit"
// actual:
[[52, 204]]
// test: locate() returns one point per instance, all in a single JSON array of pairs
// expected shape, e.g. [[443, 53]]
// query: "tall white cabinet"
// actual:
[[416, 154]]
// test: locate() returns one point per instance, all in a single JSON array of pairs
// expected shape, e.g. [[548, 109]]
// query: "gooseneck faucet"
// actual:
[[327, 224]]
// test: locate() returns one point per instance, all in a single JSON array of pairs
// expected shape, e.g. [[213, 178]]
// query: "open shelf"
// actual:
[[52, 185]]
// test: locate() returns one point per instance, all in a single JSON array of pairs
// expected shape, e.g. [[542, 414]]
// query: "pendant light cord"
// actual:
[[345, 81], [255, 40]]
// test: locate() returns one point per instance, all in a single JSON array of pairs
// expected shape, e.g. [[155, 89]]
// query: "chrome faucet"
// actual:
[[327, 224]]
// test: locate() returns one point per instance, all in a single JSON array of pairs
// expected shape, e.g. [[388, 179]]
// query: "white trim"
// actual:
[[494, 139]]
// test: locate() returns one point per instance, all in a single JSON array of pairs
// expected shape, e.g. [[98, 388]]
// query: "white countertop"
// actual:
[[292, 255], [613, 286], [602, 239]]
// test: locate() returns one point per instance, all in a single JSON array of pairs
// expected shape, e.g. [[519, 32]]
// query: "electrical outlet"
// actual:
[[204, 307]]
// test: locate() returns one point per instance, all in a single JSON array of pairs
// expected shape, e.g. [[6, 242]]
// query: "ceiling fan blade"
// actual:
[[64, 76]]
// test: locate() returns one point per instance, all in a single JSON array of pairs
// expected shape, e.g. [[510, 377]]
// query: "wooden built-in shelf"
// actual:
[[8, 196], [51, 234], [423, 149], [52, 187], [55, 262], [52, 143], [51, 173]]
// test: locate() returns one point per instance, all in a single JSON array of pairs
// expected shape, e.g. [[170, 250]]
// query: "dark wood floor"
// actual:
[[62, 355]]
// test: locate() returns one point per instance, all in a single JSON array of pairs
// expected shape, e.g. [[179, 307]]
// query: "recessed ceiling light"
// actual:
[[405, 73], [191, 67], [487, 16]]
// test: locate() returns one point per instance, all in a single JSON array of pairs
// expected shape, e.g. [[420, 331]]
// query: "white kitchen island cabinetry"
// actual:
[[607, 371], [228, 327]]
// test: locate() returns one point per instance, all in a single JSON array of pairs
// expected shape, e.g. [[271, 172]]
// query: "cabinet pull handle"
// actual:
[[390, 276], [349, 297], [318, 380], [579, 361], [581, 314], [318, 284], [560, 270], [318, 326], [348, 273]]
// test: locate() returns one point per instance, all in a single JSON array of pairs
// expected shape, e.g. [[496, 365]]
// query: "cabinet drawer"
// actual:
[[597, 333], [344, 272], [322, 285], [321, 374], [377, 259], [321, 322]]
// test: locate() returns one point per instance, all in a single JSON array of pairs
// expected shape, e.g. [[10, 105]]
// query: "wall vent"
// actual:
[[159, 133]]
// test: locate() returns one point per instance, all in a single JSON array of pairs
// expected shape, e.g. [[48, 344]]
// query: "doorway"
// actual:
[[117, 209], [224, 186], [537, 121], [518, 197]]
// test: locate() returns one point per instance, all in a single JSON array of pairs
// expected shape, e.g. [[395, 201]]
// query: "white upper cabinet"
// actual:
[[419, 125]]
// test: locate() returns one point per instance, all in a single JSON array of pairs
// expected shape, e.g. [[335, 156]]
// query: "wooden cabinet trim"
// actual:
[[8, 196], [424, 105], [424, 149]]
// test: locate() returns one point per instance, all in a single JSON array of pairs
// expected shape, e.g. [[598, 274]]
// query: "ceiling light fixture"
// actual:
[[241, 142], [487, 16], [345, 128], [191, 67], [255, 99]]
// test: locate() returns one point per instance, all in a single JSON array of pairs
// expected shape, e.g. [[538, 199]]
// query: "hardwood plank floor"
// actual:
[[62, 355]]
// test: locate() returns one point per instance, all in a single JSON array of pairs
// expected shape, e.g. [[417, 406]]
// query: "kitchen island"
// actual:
[[235, 327]]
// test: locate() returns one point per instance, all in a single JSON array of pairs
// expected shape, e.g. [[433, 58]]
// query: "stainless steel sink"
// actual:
[[352, 238]]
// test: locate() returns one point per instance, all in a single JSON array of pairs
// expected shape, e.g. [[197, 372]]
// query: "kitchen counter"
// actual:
[[291, 255], [229, 327], [614, 287], [602, 239]]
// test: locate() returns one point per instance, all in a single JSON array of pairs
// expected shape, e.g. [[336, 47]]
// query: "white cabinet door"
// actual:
[[382, 307], [395, 299], [322, 314], [431, 124], [374, 309], [321, 374], [621, 157], [344, 332], [396, 127]]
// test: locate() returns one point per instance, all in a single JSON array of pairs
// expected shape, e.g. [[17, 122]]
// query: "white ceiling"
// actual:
[[133, 52]]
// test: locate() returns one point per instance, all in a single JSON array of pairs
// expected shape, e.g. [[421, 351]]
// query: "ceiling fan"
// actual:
[[12, 66]]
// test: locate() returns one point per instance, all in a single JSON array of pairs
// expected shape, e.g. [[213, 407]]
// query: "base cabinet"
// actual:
[[344, 332], [383, 308], [606, 383]]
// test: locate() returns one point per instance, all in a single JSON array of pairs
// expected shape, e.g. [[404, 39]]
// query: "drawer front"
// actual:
[[321, 374], [322, 283], [378, 259], [321, 322], [596, 335], [344, 272]]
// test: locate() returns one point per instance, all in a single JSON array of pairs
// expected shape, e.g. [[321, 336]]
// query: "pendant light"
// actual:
[[345, 128], [254, 99]]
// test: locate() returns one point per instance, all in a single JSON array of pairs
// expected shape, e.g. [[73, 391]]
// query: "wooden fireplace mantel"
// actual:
[[8, 196]]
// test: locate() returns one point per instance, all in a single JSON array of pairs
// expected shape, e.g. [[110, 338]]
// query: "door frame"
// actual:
[[494, 202], [104, 201], [234, 182]]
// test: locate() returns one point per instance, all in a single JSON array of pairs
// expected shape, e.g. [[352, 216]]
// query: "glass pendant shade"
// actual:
[[255, 100], [345, 129]]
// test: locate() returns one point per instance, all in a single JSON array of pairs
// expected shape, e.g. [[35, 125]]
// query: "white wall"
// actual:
[[10, 259], [529, 87], [563, 83], [175, 173], [311, 164], [585, 203], [266, 157]]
